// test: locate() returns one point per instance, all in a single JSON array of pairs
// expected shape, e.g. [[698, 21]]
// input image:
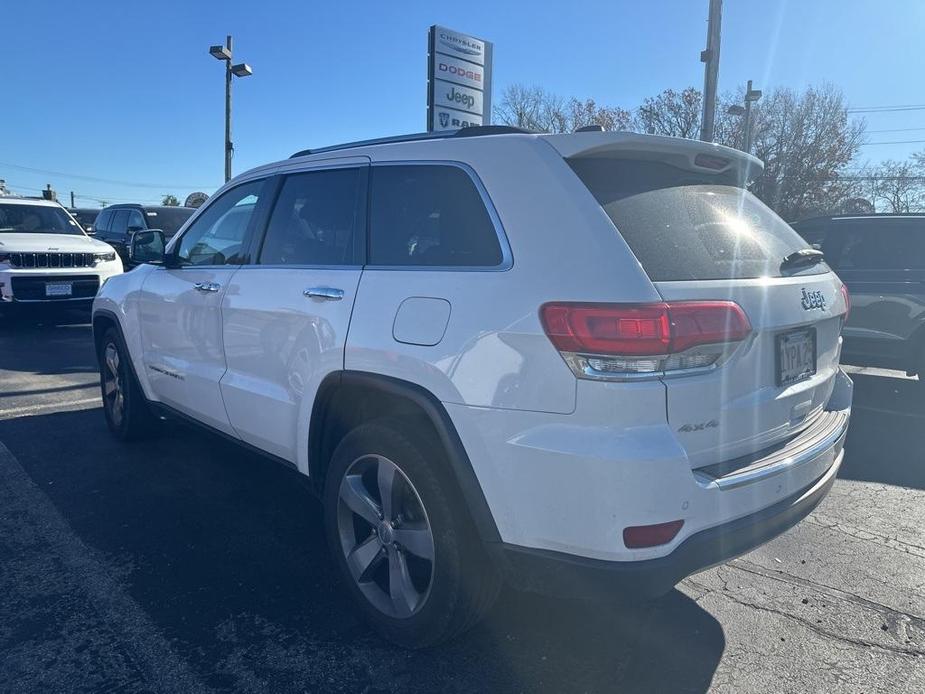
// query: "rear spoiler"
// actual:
[[691, 155]]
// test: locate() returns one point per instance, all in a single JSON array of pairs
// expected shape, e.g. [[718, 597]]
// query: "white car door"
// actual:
[[180, 306], [285, 317]]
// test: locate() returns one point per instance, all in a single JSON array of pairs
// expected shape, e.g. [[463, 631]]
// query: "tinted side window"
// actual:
[[317, 220], [219, 235], [135, 219], [429, 215], [119, 224], [883, 246], [101, 224]]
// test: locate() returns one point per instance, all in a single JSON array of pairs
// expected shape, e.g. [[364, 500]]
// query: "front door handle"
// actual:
[[329, 293], [207, 286]]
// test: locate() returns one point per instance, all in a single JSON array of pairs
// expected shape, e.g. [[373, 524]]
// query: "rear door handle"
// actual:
[[329, 293], [207, 286]]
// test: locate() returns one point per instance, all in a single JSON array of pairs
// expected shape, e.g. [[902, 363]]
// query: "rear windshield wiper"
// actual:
[[804, 256]]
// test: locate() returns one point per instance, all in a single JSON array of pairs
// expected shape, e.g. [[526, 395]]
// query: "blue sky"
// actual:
[[127, 92]]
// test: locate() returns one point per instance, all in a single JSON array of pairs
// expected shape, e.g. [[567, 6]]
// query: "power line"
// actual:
[[111, 181], [893, 142], [887, 109], [79, 196], [894, 130]]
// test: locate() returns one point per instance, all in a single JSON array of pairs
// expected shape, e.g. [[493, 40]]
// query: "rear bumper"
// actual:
[[556, 573]]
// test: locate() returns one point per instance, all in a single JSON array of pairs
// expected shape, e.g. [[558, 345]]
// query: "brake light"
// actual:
[[607, 340], [847, 297]]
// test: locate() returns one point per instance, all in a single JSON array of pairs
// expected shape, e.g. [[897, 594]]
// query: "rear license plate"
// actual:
[[796, 356], [59, 289]]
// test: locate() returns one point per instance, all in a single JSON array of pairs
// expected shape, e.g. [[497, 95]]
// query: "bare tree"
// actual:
[[587, 112], [671, 113], [533, 108], [806, 142], [897, 186]]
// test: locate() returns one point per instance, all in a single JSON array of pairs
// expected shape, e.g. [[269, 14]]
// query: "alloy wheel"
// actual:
[[385, 536], [113, 385]]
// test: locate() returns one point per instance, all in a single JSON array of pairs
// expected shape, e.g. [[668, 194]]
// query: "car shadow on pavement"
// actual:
[[886, 437], [60, 339], [225, 553]]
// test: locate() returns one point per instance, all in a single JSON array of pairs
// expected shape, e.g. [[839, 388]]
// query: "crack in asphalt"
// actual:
[[876, 538], [894, 617], [837, 593]]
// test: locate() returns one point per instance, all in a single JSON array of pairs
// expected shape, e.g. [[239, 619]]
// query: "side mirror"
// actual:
[[147, 246]]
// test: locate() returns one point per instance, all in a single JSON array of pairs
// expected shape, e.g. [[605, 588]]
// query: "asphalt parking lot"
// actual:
[[185, 564]]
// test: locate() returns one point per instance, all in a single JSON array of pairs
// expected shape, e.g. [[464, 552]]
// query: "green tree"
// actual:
[[171, 201]]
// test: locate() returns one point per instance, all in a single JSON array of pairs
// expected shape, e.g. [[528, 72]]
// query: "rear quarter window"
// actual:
[[429, 215], [685, 225]]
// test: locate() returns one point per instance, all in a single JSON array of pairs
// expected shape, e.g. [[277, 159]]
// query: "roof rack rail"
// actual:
[[472, 131]]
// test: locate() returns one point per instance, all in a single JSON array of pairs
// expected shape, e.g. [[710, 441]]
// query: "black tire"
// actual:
[[127, 413], [463, 582]]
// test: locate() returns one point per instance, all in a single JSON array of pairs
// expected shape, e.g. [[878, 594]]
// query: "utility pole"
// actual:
[[710, 58], [223, 53], [72, 200]]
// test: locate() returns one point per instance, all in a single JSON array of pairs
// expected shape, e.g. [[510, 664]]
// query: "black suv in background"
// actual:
[[881, 258], [116, 223], [85, 215]]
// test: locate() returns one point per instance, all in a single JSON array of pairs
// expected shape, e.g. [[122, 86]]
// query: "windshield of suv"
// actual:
[[685, 225], [168, 219], [36, 219]]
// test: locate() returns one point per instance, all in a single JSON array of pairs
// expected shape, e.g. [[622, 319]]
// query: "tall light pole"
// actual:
[[710, 59], [751, 96], [239, 70]]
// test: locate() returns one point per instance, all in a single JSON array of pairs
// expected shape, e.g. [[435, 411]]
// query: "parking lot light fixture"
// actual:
[[220, 52], [239, 70], [242, 70]]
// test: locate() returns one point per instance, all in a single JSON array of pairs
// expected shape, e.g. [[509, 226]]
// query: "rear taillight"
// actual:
[[847, 297], [613, 341]]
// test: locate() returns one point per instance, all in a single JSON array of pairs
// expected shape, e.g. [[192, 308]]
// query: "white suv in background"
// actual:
[[46, 258], [589, 364]]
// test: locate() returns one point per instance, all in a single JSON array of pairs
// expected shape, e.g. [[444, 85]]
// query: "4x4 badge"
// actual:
[[813, 299]]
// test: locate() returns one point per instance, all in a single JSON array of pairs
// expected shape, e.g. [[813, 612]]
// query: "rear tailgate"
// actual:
[[700, 235], [746, 403]]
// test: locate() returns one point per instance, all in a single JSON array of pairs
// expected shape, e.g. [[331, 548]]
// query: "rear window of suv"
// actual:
[[683, 225], [168, 219]]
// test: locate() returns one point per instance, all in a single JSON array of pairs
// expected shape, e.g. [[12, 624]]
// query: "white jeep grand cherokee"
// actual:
[[46, 257], [588, 364]]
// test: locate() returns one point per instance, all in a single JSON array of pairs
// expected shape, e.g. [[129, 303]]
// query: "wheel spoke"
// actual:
[[110, 387], [354, 493], [364, 557], [112, 360], [385, 478], [402, 591], [116, 407], [418, 541]]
